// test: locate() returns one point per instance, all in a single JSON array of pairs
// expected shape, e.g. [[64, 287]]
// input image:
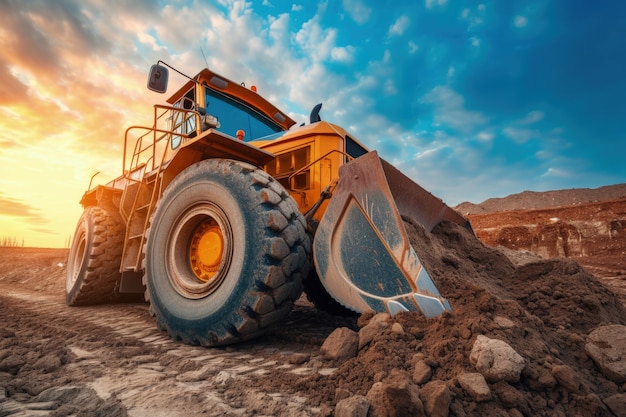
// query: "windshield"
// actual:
[[234, 116]]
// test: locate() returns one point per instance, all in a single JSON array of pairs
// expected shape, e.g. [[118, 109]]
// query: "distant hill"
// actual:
[[530, 200]]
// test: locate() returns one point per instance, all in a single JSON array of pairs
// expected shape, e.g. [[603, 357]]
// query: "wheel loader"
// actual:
[[225, 211]]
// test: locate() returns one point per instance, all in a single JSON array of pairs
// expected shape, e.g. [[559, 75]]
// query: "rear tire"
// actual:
[[226, 254], [94, 260]]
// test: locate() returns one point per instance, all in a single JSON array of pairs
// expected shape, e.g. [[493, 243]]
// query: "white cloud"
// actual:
[[399, 26], [432, 3], [428, 153], [342, 54], [555, 172], [296, 7], [450, 73], [413, 47], [315, 40], [386, 56], [357, 10], [532, 117], [150, 41], [450, 111], [474, 17], [518, 130], [485, 136], [518, 135], [390, 88], [520, 21]]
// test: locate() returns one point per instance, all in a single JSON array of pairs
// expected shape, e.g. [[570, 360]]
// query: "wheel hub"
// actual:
[[206, 250], [199, 251]]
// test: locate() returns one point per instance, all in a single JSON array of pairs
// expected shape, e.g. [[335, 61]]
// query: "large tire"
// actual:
[[93, 266], [226, 254]]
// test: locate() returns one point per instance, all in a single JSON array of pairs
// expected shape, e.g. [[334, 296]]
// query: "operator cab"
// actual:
[[221, 104]]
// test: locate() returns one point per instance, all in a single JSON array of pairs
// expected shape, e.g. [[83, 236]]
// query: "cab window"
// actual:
[[182, 122], [234, 115]]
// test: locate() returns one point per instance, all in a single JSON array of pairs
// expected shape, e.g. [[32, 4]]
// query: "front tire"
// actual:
[[93, 266], [226, 254]]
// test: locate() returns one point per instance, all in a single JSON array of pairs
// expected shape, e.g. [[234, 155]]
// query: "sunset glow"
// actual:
[[472, 101]]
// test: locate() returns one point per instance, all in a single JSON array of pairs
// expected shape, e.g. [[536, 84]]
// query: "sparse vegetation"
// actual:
[[11, 242]]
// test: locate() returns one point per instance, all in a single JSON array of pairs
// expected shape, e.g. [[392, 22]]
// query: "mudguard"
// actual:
[[361, 250]]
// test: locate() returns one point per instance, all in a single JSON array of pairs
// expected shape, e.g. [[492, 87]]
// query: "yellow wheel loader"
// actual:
[[225, 211]]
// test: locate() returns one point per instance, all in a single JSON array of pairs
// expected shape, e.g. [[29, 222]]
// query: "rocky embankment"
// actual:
[[586, 225]]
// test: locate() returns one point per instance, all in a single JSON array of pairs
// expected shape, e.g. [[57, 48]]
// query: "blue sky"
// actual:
[[471, 99]]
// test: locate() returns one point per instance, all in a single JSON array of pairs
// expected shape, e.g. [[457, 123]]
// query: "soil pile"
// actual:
[[587, 225], [541, 314], [543, 309]]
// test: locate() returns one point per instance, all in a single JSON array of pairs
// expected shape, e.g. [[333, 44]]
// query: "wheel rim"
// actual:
[[199, 250]]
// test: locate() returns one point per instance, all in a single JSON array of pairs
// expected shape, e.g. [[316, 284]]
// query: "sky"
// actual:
[[470, 99]]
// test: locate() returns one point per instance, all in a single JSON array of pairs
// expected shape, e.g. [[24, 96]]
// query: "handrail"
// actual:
[[310, 164], [167, 134]]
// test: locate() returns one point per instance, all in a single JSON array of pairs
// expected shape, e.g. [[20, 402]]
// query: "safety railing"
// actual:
[[145, 156], [310, 164]]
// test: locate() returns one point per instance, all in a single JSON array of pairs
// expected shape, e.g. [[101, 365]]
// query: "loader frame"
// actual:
[[316, 197]]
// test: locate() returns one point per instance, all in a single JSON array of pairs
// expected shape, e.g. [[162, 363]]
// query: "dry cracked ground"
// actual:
[[546, 313]]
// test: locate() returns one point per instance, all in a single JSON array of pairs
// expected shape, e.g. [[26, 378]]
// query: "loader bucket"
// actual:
[[362, 252]]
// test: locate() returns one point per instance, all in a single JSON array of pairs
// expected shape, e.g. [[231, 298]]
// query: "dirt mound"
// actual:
[[543, 309], [593, 233]]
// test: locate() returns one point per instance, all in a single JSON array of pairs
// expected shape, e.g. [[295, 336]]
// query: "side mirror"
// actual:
[[157, 80]]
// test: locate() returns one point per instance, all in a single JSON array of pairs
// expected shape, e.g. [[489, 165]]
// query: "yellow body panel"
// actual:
[[305, 180]]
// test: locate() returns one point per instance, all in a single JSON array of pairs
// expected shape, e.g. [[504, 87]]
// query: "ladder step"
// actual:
[[144, 207]]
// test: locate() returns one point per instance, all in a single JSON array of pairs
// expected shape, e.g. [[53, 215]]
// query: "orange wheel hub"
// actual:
[[206, 250]]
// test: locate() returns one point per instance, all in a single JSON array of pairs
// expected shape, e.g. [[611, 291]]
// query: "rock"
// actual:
[[48, 363], [475, 386], [223, 378], [198, 375], [617, 404], [567, 378], [606, 345], [12, 364], [436, 398], [396, 395], [539, 377], [496, 360], [503, 322], [355, 406], [397, 328], [373, 328], [342, 394], [299, 358], [341, 344], [421, 372], [511, 398]]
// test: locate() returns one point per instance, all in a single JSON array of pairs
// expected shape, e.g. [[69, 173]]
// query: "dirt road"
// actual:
[[112, 360]]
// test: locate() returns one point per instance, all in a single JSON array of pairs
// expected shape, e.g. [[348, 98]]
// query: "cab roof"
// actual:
[[216, 82]]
